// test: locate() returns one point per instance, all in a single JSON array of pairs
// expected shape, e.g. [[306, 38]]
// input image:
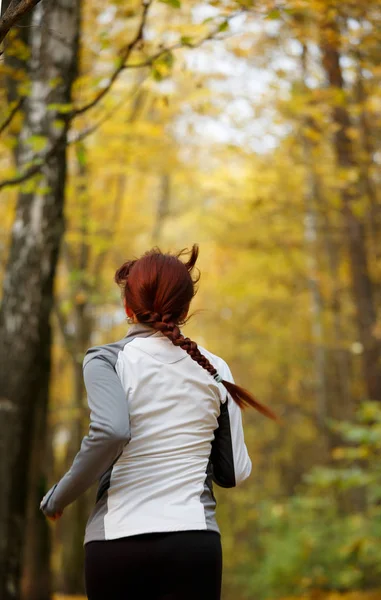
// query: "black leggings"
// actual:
[[180, 565]]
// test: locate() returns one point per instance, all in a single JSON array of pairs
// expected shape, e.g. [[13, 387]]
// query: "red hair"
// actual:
[[158, 288]]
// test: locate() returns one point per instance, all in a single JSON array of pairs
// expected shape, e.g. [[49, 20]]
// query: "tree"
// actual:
[[351, 195], [28, 283]]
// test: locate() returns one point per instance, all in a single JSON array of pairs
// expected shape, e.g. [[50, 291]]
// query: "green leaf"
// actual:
[[118, 62], [162, 66], [44, 189], [156, 74], [58, 125], [54, 82], [37, 142], [173, 3], [168, 59], [81, 155], [273, 14], [29, 186], [10, 143], [186, 41], [61, 108], [224, 26]]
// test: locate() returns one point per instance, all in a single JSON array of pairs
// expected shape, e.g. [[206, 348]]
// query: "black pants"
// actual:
[[181, 565]]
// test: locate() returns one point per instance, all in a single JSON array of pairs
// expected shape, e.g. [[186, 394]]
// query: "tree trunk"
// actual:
[[36, 577], [72, 582], [162, 210], [312, 253], [363, 289], [28, 281], [72, 579], [368, 167], [332, 373]]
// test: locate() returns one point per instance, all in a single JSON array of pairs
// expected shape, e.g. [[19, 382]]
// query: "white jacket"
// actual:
[[161, 431]]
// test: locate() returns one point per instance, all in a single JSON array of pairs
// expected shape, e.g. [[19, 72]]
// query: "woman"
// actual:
[[165, 423]]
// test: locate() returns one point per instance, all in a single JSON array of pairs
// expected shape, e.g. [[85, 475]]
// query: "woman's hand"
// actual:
[[43, 506], [56, 516]]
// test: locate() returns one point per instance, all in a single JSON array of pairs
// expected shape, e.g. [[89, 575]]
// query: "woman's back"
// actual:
[[162, 481]]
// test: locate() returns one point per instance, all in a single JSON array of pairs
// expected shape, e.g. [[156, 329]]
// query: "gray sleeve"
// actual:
[[109, 432], [230, 460]]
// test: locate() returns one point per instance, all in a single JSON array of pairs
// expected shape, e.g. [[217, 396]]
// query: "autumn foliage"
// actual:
[[254, 130]]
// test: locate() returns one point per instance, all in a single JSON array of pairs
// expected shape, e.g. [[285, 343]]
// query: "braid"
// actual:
[[171, 331]]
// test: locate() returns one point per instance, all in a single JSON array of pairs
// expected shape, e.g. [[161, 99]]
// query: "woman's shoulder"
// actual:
[[219, 363], [106, 352]]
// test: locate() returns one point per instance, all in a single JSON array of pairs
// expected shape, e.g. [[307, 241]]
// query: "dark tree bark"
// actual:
[[13, 11], [313, 267], [362, 285], [162, 210], [333, 367], [77, 343], [28, 282], [36, 576], [368, 167]]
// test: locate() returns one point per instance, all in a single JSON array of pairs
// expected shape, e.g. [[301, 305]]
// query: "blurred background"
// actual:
[[253, 129]]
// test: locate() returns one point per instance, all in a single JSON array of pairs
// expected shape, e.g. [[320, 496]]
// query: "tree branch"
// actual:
[[35, 168], [12, 113], [211, 36], [15, 11], [124, 55], [81, 135]]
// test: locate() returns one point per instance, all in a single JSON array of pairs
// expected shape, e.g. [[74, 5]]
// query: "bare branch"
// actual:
[[15, 11], [12, 113], [192, 45], [35, 168], [124, 55], [31, 172], [81, 135], [211, 36]]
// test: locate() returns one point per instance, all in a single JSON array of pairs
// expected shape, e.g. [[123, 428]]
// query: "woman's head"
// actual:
[[157, 286], [157, 290]]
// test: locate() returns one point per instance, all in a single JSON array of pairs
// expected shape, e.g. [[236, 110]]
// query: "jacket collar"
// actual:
[[163, 352], [141, 330]]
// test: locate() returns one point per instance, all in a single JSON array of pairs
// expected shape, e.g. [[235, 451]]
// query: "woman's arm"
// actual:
[[109, 432], [230, 460]]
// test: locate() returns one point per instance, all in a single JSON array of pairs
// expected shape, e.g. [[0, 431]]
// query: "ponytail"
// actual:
[[243, 398]]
